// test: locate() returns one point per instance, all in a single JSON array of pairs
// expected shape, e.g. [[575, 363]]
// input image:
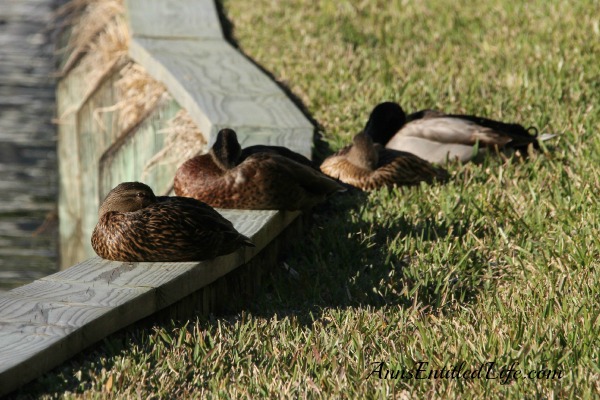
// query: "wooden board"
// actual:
[[126, 159], [70, 91], [96, 131], [220, 88], [180, 19]]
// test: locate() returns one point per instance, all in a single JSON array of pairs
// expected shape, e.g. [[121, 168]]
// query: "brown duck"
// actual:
[[438, 137], [134, 225], [267, 180], [369, 166]]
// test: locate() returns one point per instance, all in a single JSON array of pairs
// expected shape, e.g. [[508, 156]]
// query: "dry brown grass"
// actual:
[[183, 141], [98, 30], [98, 46], [139, 94]]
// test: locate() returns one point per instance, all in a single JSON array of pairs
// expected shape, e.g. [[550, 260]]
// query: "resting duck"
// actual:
[[369, 166], [438, 137], [134, 225], [264, 180]]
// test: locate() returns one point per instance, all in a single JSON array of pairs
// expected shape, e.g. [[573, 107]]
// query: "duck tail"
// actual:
[[546, 136], [533, 132], [441, 174]]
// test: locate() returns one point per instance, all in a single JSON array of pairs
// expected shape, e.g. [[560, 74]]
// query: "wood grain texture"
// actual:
[[29, 345], [96, 130], [221, 88], [39, 334], [77, 293], [126, 161], [69, 200], [181, 19]]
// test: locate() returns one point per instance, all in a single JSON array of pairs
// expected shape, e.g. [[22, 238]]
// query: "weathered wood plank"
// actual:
[[31, 348], [219, 87], [77, 293], [126, 162], [97, 130], [176, 19], [69, 91], [26, 344], [26, 310]]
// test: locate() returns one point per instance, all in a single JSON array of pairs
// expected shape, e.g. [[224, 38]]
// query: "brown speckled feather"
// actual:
[[394, 168], [172, 229]]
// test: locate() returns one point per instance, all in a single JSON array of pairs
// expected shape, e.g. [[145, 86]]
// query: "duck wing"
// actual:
[[438, 139], [518, 134], [310, 179], [273, 181], [509, 134], [405, 169], [198, 220], [280, 150], [452, 130]]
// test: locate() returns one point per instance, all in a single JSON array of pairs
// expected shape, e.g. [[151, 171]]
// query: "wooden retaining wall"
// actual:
[[180, 43]]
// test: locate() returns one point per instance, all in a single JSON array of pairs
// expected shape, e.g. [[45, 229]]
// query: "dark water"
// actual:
[[28, 165]]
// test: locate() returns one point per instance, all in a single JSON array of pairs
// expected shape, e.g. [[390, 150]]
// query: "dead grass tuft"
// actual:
[[140, 93], [91, 19], [183, 141], [98, 44]]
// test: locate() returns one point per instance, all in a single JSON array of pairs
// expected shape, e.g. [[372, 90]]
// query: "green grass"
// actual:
[[499, 265]]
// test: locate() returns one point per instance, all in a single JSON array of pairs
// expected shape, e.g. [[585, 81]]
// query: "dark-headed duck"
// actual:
[[438, 137]]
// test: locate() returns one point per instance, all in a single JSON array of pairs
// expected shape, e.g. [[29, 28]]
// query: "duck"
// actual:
[[439, 138], [369, 166], [262, 180], [134, 225]]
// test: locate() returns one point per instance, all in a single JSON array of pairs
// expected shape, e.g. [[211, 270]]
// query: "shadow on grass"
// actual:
[[346, 262]]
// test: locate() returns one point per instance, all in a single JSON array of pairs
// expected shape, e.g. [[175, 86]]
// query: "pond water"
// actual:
[[28, 167]]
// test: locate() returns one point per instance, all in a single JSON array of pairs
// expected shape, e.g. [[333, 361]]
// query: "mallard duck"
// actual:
[[134, 225], [262, 180], [438, 137], [369, 166]]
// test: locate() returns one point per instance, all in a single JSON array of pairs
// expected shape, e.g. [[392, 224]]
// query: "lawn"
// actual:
[[491, 280]]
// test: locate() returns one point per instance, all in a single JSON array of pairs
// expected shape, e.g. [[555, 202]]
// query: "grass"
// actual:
[[499, 265]]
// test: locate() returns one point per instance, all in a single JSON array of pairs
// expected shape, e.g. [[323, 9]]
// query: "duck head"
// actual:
[[127, 197], [385, 120], [226, 150], [363, 152]]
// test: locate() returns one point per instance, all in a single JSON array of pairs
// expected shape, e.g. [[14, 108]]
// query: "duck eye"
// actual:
[[140, 194]]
